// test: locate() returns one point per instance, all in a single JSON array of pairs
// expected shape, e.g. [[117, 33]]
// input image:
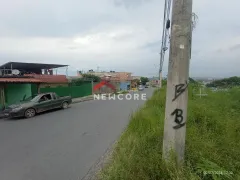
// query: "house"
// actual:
[[113, 80], [123, 76], [21, 80], [13, 89], [125, 80], [154, 81], [122, 80], [136, 77]]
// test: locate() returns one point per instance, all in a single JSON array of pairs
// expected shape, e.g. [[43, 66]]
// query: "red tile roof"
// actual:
[[19, 80], [50, 78]]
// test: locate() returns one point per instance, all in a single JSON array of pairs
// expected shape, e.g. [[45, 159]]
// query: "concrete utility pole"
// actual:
[[177, 80], [160, 70]]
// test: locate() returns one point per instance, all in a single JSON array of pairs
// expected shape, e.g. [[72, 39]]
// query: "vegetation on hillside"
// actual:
[[212, 141], [192, 81], [225, 83]]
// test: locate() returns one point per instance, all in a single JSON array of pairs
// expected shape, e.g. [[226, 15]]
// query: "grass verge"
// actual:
[[212, 141], [122, 92]]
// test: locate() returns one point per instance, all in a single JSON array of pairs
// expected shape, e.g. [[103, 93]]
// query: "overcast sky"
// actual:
[[120, 35]]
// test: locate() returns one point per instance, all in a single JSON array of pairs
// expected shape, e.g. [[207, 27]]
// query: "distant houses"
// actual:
[[122, 80], [154, 81]]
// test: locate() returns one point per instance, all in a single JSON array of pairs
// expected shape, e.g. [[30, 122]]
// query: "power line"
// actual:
[[165, 35]]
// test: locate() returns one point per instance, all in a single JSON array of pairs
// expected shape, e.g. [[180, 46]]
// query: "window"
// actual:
[[32, 98], [46, 97], [55, 96]]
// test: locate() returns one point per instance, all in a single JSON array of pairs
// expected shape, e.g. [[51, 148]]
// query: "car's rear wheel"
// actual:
[[30, 113], [65, 105]]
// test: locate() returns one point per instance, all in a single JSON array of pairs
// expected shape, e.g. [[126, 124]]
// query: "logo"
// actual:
[[127, 96], [119, 96], [105, 82]]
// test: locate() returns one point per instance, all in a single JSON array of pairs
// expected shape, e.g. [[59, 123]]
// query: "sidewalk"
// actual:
[[81, 99]]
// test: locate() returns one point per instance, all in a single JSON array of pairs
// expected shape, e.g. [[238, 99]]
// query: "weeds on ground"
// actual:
[[212, 141]]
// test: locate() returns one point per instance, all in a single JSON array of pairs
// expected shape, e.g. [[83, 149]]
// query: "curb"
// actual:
[[95, 170], [82, 100]]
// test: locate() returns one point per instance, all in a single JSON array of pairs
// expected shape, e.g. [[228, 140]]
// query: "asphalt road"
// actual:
[[63, 144]]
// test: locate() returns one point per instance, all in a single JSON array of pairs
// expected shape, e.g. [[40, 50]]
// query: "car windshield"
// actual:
[[32, 98]]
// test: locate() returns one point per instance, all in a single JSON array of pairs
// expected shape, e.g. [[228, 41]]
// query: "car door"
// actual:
[[44, 103], [56, 102]]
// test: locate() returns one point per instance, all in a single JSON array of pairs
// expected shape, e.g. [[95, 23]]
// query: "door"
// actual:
[[44, 103], [56, 101]]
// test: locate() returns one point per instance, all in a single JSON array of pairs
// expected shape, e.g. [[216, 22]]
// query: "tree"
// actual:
[[144, 80], [85, 77], [191, 80], [91, 77], [135, 83]]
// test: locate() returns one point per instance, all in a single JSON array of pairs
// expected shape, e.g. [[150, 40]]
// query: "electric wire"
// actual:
[[165, 32]]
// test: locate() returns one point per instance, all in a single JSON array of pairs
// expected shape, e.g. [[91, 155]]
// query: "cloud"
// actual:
[[235, 47], [154, 46], [120, 35], [55, 18], [130, 3]]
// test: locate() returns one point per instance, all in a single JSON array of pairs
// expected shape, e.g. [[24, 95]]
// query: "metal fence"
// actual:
[[84, 89]]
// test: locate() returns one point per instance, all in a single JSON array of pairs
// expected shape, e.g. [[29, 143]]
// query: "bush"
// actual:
[[212, 141]]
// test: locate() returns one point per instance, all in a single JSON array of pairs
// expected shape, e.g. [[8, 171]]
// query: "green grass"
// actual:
[[212, 141]]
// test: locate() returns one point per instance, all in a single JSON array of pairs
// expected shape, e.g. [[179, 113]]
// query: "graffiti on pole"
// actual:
[[178, 118], [179, 89], [178, 113]]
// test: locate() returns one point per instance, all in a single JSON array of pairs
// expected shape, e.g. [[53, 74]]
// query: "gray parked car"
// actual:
[[140, 88], [36, 104]]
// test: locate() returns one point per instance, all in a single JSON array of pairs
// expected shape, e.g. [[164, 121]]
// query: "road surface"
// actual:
[[63, 144]]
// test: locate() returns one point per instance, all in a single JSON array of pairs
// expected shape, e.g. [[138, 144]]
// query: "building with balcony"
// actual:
[[21, 80]]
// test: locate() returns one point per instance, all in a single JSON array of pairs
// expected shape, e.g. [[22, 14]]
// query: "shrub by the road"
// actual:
[[212, 141]]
